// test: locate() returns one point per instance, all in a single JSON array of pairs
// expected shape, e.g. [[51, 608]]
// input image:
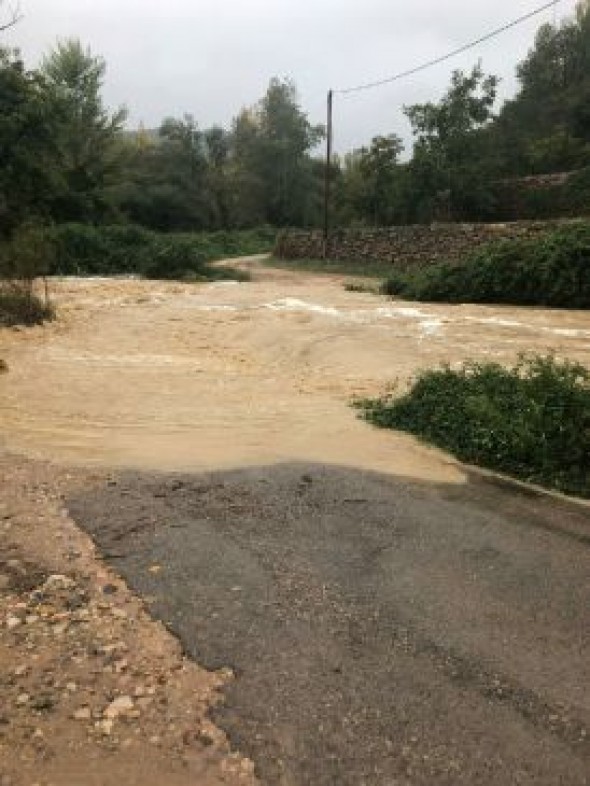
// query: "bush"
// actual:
[[550, 270], [578, 191], [20, 307], [531, 421], [26, 256], [128, 249]]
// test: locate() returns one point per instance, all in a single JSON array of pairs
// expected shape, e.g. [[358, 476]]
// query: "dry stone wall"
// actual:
[[405, 246]]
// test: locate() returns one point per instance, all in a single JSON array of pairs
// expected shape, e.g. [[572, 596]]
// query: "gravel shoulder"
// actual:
[[92, 689]]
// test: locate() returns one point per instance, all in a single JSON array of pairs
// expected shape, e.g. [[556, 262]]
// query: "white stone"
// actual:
[[120, 705]]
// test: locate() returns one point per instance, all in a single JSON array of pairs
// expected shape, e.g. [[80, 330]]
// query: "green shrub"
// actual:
[[578, 191], [128, 249], [550, 270], [20, 307], [531, 421], [27, 255]]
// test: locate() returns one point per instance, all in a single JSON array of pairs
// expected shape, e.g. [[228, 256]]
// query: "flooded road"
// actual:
[[389, 616], [172, 376]]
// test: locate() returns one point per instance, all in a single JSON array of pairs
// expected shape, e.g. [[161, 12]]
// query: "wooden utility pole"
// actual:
[[328, 173]]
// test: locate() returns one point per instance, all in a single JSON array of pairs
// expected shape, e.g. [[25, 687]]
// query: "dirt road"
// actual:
[[390, 619]]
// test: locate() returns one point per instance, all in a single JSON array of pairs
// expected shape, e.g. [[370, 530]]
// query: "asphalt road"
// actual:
[[382, 631]]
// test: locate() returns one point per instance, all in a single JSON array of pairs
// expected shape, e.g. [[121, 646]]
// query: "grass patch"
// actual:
[[114, 250], [367, 269], [356, 286], [22, 308], [531, 421], [550, 270]]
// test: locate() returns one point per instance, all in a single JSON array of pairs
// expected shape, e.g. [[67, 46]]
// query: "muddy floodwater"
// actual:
[[173, 376], [388, 615]]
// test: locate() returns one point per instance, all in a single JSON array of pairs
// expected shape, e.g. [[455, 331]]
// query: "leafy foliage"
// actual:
[[550, 270], [24, 258], [28, 255], [19, 306], [259, 172], [85, 132], [371, 183], [29, 179], [110, 250], [531, 421], [273, 173], [464, 149], [449, 153]]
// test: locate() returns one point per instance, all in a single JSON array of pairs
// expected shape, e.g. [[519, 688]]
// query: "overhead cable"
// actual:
[[454, 53]]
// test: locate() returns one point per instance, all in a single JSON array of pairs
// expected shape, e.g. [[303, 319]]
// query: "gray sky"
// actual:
[[211, 58]]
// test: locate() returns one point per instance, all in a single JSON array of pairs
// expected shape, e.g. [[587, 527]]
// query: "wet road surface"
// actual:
[[382, 630]]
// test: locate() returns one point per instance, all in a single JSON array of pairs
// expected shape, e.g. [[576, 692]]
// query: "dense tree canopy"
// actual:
[[86, 133], [29, 178], [260, 171], [463, 149], [65, 157]]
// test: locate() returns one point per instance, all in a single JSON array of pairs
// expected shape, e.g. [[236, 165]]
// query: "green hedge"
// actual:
[[531, 421], [127, 249], [549, 270]]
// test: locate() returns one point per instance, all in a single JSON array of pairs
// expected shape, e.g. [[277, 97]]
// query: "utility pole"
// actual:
[[328, 173]]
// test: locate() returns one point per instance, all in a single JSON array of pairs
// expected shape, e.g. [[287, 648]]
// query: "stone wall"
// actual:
[[404, 246]]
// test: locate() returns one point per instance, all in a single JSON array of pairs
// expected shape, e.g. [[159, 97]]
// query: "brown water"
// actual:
[[175, 376]]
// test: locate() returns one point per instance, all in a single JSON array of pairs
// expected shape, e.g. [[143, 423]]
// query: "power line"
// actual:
[[370, 85]]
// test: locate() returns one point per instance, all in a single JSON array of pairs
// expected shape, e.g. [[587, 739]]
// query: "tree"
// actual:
[[271, 146], [288, 137], [548, 122], [165, 180], [370, 184], [448, 152], [379, 166], [29, 174], [248, 205], [217, 147], [87, 133]]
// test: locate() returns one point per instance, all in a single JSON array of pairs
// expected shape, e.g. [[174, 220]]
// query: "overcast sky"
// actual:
[[211, 57]]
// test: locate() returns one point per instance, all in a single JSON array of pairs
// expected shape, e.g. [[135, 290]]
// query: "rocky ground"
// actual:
[[92, 690]]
